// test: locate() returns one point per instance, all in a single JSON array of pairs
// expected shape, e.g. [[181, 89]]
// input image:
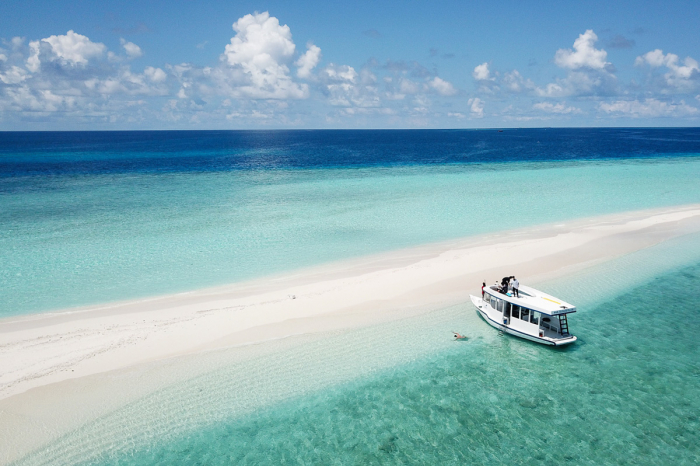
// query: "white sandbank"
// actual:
[[43, 354]]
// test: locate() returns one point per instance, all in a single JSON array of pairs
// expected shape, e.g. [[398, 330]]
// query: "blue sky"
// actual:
[[393, 64]]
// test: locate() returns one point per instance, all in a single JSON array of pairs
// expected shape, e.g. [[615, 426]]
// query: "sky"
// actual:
[[181, 64]]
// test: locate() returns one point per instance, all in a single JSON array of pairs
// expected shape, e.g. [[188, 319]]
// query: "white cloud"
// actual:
[[308, 61], [17, 42], [678, 75], [442, 87], [406, 86], [72, 48], [340, 73], [132, 50], [33, 61], [62, 77], [261, 49], [476, 107], [14, 75], [513, 81], [559, 108], [455, 115], [649, 108], [344, 87], [589, 72], [584, 55], [155, 74], [3, 57], [482, 72], [579, 83]]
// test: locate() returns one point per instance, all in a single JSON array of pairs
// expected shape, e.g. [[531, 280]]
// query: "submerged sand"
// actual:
[[60, 369]]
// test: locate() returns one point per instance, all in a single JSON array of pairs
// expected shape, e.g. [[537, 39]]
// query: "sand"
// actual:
[[59, 369]]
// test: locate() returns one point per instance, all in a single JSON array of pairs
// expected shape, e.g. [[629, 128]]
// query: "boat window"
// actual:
[[516, 311], [493, 302], [525, 314], [500, 305], [535, 318]]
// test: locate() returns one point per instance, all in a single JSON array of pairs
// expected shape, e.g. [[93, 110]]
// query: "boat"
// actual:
[[532, 315]]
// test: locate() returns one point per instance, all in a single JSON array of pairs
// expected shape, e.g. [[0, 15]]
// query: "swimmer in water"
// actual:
[[459, 337]]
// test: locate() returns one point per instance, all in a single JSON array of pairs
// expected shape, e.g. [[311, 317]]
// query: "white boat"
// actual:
[[534, 315]]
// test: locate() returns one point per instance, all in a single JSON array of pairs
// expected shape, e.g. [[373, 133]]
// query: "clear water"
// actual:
[[625, 393], [96, 217]]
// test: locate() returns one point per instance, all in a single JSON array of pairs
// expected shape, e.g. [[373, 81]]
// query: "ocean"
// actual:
[[89, 218], [95, 217]]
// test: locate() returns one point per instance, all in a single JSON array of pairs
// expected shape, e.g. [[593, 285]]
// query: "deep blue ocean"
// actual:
[[94, 217], [111, 152]]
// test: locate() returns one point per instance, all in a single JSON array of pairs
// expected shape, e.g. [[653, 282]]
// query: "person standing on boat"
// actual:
[[516, 284], [483, 285], [504, 284]]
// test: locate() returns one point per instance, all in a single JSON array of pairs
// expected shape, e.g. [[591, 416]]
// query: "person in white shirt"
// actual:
[[515, 284]]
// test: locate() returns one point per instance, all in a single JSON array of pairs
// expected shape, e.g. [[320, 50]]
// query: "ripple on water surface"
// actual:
[[627, 393]]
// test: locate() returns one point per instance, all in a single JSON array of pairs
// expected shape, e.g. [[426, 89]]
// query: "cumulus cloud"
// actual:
[[584, 55], [155, 74], [482, 72], [67, 75], [580, 84], [680, 76], [476, 107], [339, 73], [344, 87], [261, 50], [308, 61], [559, 108], [648, 108], [132, 50], [589, 74], [442, 87], [14, 75], [513, 81], [69, 49], [407, 86]]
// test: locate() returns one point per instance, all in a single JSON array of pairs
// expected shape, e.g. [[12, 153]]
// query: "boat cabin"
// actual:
[[531, 313]]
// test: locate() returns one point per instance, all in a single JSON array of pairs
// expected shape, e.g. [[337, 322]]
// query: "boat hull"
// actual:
[[480, 308]]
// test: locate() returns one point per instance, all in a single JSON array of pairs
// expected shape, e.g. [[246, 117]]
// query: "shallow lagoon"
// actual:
[[625, 393], [79, 228]]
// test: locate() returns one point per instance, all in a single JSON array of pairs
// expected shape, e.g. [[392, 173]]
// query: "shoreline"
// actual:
[[433, 275], [46, 356]]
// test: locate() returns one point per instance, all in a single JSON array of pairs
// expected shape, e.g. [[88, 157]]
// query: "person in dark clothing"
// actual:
[[483, 285], [504, 285]]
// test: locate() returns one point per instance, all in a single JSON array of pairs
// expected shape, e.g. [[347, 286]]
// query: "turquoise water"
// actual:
[[625, 394], [124, 215], [79, 239], [405, 393]]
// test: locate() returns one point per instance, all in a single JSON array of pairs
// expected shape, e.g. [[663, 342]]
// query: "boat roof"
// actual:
[[536, 300]]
